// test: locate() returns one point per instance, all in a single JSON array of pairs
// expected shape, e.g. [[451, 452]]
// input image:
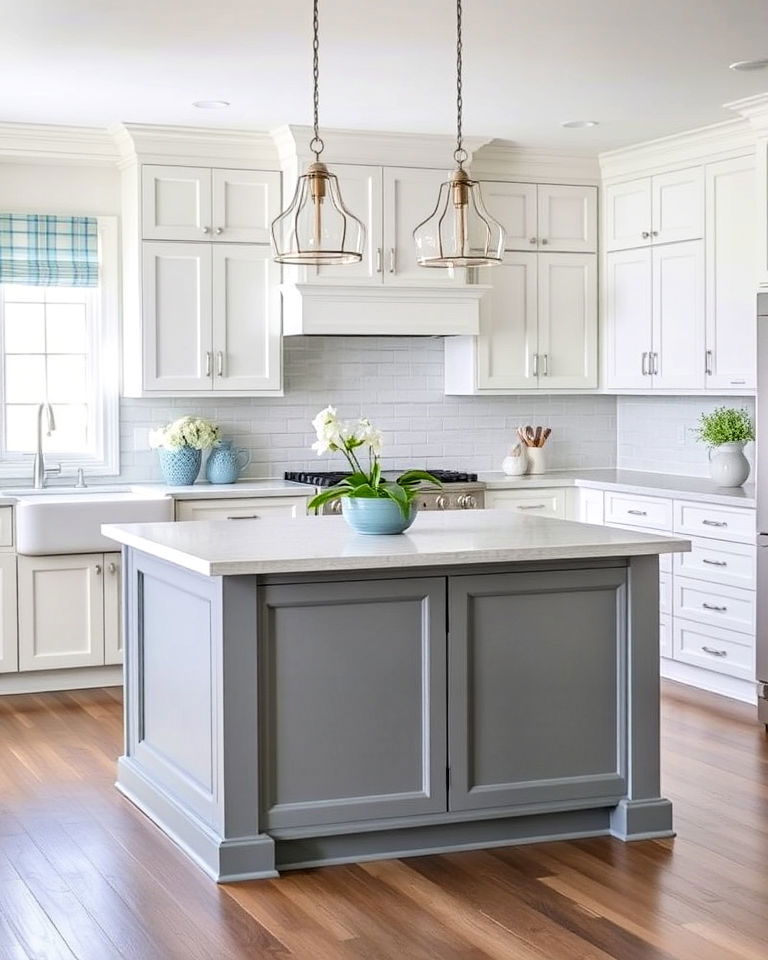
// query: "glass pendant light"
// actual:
[[317, 228], [459, 232]]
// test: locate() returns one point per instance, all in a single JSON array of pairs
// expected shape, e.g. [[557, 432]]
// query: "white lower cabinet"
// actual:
[[9, 660], [537, 503], [113, 608], [241, 508], [64, 607]]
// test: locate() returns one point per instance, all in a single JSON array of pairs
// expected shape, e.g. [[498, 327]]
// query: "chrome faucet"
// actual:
[[40, 471]]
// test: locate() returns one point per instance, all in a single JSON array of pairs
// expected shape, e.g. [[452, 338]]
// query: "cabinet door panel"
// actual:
[[628, 215], [678, 316], [113, 611], [241, 508], [731, 279], [508, 341], [514, 206], [245, 202], [410, 196], [568, 218], [628, 318], [678, 206], [512, 637], [9, 660], [177, 316], [352, 700], [361, 190], [176, 203], [246, 318], [61, 611], [567, 320]]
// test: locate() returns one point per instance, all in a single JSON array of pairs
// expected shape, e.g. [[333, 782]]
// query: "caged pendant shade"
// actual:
[[317, 228], [459, 232]]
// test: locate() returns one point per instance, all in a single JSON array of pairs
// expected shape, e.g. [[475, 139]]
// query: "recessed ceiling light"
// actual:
[[746, 65], [578, 124], [211, 104]]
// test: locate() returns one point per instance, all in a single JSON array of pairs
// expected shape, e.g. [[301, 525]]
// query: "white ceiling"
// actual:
[[643, 69]]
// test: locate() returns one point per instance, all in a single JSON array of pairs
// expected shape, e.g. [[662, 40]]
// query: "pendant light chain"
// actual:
[[460, 155], [317, 145]]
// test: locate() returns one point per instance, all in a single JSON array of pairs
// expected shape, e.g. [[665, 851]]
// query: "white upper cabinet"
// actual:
[[200, 203], [628, 309], [567, 217], [661, 209], [176, 317], [246, 340], [731, 274], [361, 189], [678, 316], [545, 217], [409, 197], [567, 302], [245, 202]]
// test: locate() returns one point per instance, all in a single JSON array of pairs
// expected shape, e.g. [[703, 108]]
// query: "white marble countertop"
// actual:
[[241, 488], [631, 481], [327, 544]]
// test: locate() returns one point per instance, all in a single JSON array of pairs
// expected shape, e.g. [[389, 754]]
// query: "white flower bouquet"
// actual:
[[194, 432]]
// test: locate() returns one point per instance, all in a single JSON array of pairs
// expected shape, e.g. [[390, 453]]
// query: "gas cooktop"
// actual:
[[329, 478]]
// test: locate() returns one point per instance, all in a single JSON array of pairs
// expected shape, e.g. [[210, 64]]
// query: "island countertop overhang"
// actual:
[[327, 544]]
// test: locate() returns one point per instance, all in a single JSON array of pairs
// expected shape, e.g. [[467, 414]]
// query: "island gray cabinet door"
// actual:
[[536, 688], [352, 701]]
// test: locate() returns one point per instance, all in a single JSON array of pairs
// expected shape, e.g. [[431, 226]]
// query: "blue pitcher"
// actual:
[[225, 463]]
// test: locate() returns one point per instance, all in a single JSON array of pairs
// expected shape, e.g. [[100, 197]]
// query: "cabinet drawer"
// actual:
[[241, 508], [720, 562], [714, 649], [665, 636], [6, 526], [536, 503], [665, 593], [665, 559], [715, 522], [728, 607], [654, 513]]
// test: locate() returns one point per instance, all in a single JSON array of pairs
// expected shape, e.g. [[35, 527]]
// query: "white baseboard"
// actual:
[[80, 678], [733, 687]]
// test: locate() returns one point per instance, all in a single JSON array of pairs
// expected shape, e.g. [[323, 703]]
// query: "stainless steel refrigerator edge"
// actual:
[[762, 508]]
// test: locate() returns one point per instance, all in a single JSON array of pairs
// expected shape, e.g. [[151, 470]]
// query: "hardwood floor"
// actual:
[[84, 875]]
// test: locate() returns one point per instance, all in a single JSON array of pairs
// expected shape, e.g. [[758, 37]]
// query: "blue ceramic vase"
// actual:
[[376, 516], [225, 463], [180, 467]]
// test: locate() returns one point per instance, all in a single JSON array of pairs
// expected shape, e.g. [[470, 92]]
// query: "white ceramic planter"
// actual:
[[728, 466]]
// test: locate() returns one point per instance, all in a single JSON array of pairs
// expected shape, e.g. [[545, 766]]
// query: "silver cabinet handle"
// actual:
[[219, 231], [738, 383], [206, 229], [112, 567], [714, 606], [644, 366], [638, 513], [532, 241], [654, 233], [715, 563], [535, 365], [250, 516], [653, 364], [219, 363], [379, 267], [545, 358], [392, 260], [715, 653], [97, 569], [532, 506], [645, 234], [207, 363], [544, 242], [714, 523], [708, 358]]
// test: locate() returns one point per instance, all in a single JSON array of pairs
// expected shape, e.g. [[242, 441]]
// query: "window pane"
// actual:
[[66, 294], [65, 323], [24, 328], [20, 427], [67, 380], [71, 433], [21, 293], [24, 379]]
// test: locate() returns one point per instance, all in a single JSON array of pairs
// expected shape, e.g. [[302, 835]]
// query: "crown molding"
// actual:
[[156, 143], [714, 142], [49, 143], [503, 159], [754, 110]]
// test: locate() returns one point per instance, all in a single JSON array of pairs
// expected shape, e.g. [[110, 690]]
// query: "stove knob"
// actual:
[[467, 502], [442, 502]]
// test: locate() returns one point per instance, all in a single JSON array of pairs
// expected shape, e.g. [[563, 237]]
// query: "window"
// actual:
[[58, 344]]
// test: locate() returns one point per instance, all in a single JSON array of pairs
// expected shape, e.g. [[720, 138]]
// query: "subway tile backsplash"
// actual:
[[398, 383]]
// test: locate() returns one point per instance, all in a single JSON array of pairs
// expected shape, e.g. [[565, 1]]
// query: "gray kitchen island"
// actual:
[[297, 694]]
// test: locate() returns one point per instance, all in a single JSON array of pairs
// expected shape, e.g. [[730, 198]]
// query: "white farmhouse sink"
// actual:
[[49, 521]]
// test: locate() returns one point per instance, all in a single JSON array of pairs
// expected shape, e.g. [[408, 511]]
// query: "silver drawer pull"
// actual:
[[714, 523], [248, 516], [533, 506], [712, 606], [715, 563], [638, 513], [715, 653]]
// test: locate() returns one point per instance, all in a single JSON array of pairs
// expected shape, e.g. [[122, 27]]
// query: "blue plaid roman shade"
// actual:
[[48, 251]]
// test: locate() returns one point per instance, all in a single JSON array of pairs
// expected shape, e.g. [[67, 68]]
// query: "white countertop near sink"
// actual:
[[241, 488], [630, 481], [319, 544]]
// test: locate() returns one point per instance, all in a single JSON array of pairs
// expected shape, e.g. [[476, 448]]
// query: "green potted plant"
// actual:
[[370, 503], [726, 431], [180, 448]]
